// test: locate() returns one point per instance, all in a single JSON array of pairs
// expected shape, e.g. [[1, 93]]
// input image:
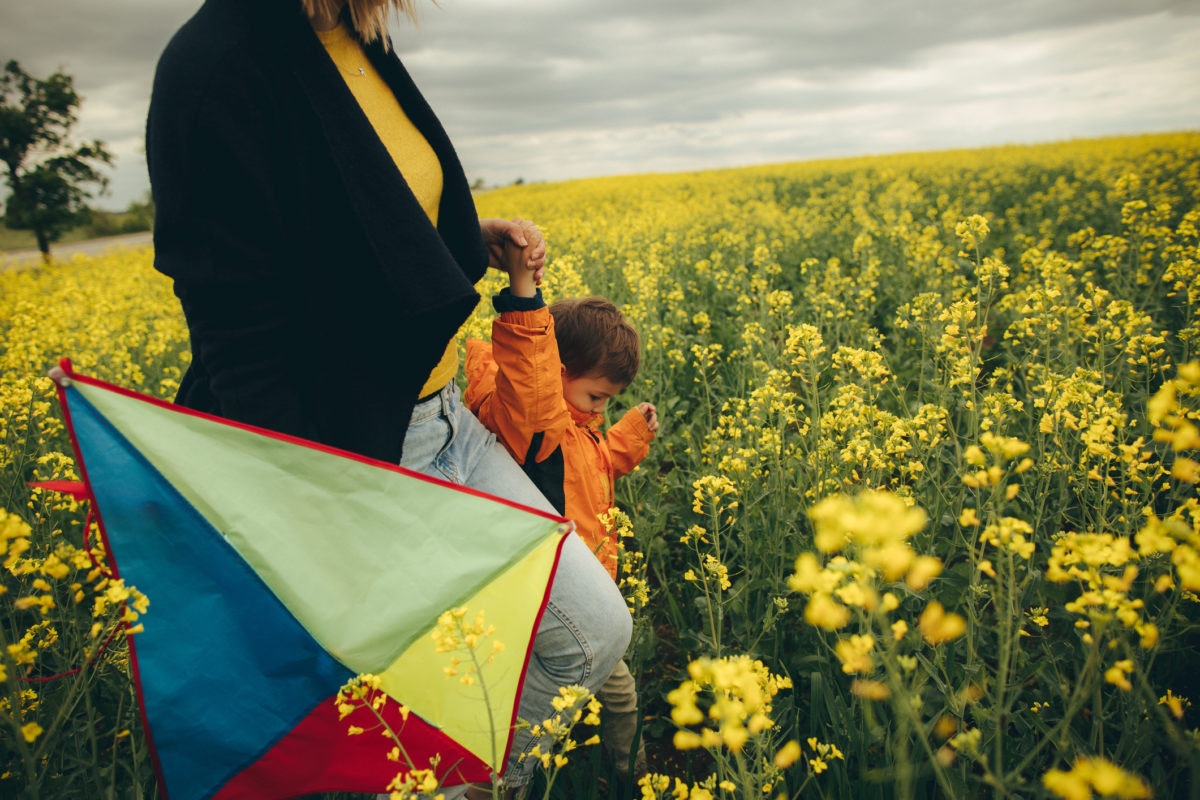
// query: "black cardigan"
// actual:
[[318, 294]]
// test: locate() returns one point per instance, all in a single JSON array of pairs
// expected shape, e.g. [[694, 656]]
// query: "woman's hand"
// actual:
[[501, 233]]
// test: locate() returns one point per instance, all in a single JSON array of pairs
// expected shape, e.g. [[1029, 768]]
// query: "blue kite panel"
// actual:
[[233, 672]]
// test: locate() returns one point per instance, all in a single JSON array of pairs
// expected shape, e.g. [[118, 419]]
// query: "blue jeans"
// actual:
[[586, 626]]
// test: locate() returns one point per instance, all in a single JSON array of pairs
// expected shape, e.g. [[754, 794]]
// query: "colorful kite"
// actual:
[[277, 569]]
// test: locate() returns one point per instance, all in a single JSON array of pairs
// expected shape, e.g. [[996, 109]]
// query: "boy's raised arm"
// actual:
[[524, 264]]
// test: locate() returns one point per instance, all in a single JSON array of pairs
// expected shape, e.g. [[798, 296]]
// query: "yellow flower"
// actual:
[[824, 612], [809, 577], [967, 741], [1109, 780], [735, 737], [788, 754], [1174, 703], [1068, 785], [1148, 635], [1186, 470], [31, 731], [684, 710], [854, 594], [870, 519], [973, 455], [1095, 774], [946, 726], [870, 690], [855, 654], [924, 570], [937, 626], [972, 230], [1118, 674], [741, 691], [1003, 448]]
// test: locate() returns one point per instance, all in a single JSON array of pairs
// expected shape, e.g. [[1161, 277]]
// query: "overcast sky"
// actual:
[[548, 90]]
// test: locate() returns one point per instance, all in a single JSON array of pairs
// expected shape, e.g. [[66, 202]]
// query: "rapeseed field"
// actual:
[[921, 520]]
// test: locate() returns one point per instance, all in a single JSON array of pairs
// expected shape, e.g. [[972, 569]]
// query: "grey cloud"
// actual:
[[554, 89]]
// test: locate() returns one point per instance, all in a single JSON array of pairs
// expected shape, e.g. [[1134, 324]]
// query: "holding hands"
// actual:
[[518, 248]]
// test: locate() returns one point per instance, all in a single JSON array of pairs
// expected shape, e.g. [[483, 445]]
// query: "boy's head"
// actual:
[[599, 349]]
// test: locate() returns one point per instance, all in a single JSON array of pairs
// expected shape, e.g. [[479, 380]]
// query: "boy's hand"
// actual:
[[650, 414], [517, 247]]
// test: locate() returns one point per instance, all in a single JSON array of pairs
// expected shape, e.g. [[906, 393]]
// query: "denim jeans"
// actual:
[[586, 626]]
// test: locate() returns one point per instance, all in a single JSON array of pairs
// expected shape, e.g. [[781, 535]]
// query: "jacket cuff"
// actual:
[[635, 419], [507, 301]]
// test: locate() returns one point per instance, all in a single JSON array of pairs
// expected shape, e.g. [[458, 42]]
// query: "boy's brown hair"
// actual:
[[594, 338]]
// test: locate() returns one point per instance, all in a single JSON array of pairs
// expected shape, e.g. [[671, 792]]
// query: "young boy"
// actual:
[[541, 386]]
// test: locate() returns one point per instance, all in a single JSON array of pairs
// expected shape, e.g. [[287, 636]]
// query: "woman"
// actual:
[[324, 245]]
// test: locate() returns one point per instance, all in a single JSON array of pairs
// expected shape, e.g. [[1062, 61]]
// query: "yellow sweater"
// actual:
[[413, 156]]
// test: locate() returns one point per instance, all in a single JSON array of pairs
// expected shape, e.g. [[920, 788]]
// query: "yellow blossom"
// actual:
[[924, 569], [788, 754], [1186, 470], [31, 731], [822, 611], [1095, 774], [809, 576], [854, 653], [937, 626], [870, 690], [1174, 703], [1118, 674]]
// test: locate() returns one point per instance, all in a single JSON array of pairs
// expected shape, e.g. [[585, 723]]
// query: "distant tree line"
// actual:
[[138, 217]]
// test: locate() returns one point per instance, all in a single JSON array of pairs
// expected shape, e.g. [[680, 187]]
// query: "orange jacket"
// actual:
[[514, 386]]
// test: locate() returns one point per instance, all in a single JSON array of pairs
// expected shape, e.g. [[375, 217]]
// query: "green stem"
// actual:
[[1004, 664], [1078, 698], [909, 722], [487, 703]]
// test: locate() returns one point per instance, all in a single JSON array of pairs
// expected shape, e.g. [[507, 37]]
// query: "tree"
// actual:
[[46, 172]]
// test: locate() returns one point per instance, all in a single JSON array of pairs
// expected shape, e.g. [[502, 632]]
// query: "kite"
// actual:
[[278, 569]]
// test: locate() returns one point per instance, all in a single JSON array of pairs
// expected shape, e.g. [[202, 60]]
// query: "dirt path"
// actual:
[[23, 259]]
